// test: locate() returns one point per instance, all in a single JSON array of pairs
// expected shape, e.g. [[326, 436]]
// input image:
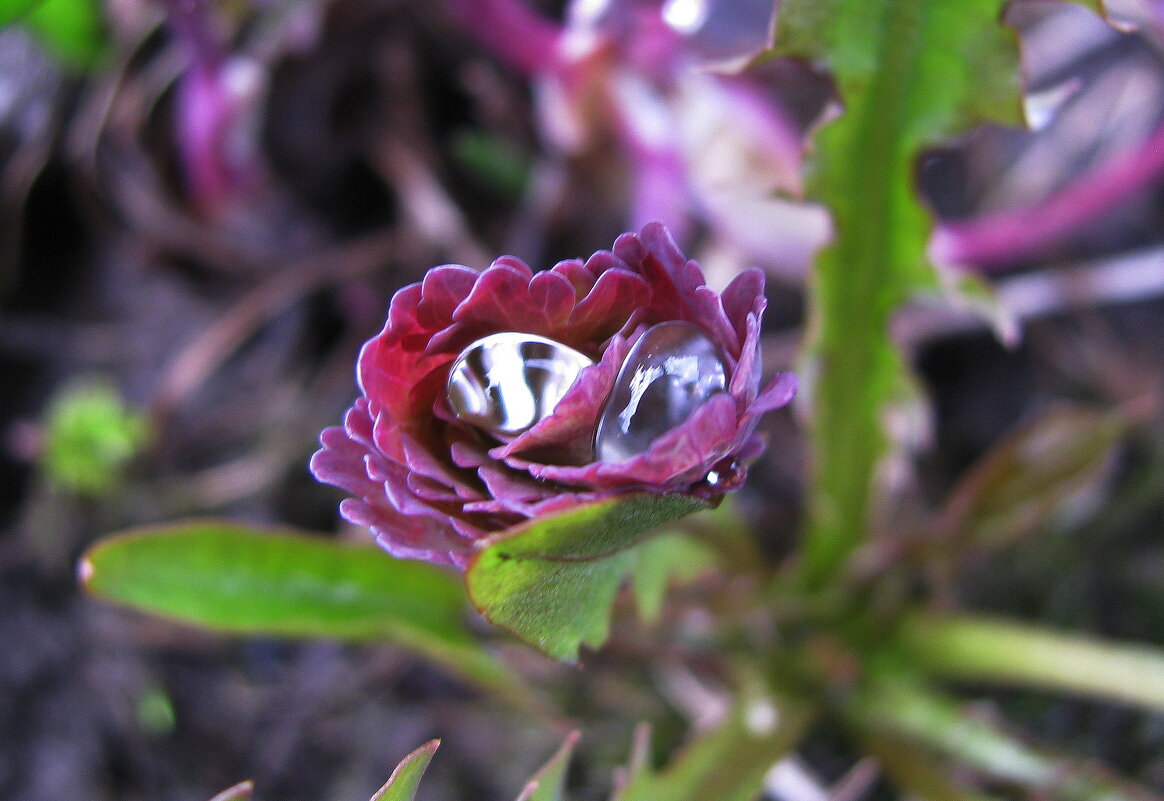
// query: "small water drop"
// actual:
[[669, 373], [507, 382], [724, 472]]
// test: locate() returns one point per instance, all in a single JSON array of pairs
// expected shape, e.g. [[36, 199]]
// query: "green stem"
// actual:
[[896, 708], [855, 289], [979, 649], [913, 768]]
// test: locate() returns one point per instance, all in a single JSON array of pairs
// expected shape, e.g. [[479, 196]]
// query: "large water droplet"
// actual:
[[667, 375], [505, 383]]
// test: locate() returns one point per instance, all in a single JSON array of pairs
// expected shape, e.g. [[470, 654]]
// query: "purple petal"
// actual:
[[616, 295], [744, 295], [551, 297], [745, 381], [778, 394]]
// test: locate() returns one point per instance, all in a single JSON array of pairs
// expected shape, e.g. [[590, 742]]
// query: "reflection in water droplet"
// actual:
[[668, 374], [505, 383], [725, 472], [685, 16]]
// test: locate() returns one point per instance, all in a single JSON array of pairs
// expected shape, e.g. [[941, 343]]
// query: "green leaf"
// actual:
[[549, 783], [552, 581], [908, 72], [728, 763], [405, 779], [241, 580], [915, 770], [12, 10], [90, 435], [899, 707], [979, 649], [498, 163], [1030, 477]]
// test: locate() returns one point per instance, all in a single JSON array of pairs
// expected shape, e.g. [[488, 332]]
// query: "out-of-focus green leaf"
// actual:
[[237, 579], [908, 72], [899, 707], [549, 783], [979, 649], [1030, 477], [552, 581], [13, 10], [89, 437], [728, 763], [660, 560], [500, 164], [71, 29], [915, 770], [405, 779], [155, 711]]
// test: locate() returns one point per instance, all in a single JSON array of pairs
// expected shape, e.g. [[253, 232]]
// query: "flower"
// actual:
[[430, 485], [213, 126]]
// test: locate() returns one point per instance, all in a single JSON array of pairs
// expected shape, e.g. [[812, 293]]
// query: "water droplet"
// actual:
[[505, 383], [725, 471], [667, 375]]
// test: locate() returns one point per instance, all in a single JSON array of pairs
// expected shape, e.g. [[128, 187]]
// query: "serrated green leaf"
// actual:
[[402, 784], [727, 763], [549, 783], [237, 579], [908, 72], [552, 581]]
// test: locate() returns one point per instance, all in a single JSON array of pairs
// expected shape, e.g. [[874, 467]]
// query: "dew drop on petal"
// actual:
[[669, 373], [724, 472], [507, 382]]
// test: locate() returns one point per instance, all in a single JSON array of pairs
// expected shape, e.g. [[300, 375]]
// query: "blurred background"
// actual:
[[206, 207]]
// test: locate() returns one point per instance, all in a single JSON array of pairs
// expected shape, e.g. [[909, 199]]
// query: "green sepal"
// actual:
[[552, 581]]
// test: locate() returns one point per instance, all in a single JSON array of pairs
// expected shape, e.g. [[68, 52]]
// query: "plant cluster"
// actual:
[[560, 447]]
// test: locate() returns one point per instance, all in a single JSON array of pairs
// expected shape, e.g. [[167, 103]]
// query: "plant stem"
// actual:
[[896, 708], [1004, 238], [914, 769], [979, 649]]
